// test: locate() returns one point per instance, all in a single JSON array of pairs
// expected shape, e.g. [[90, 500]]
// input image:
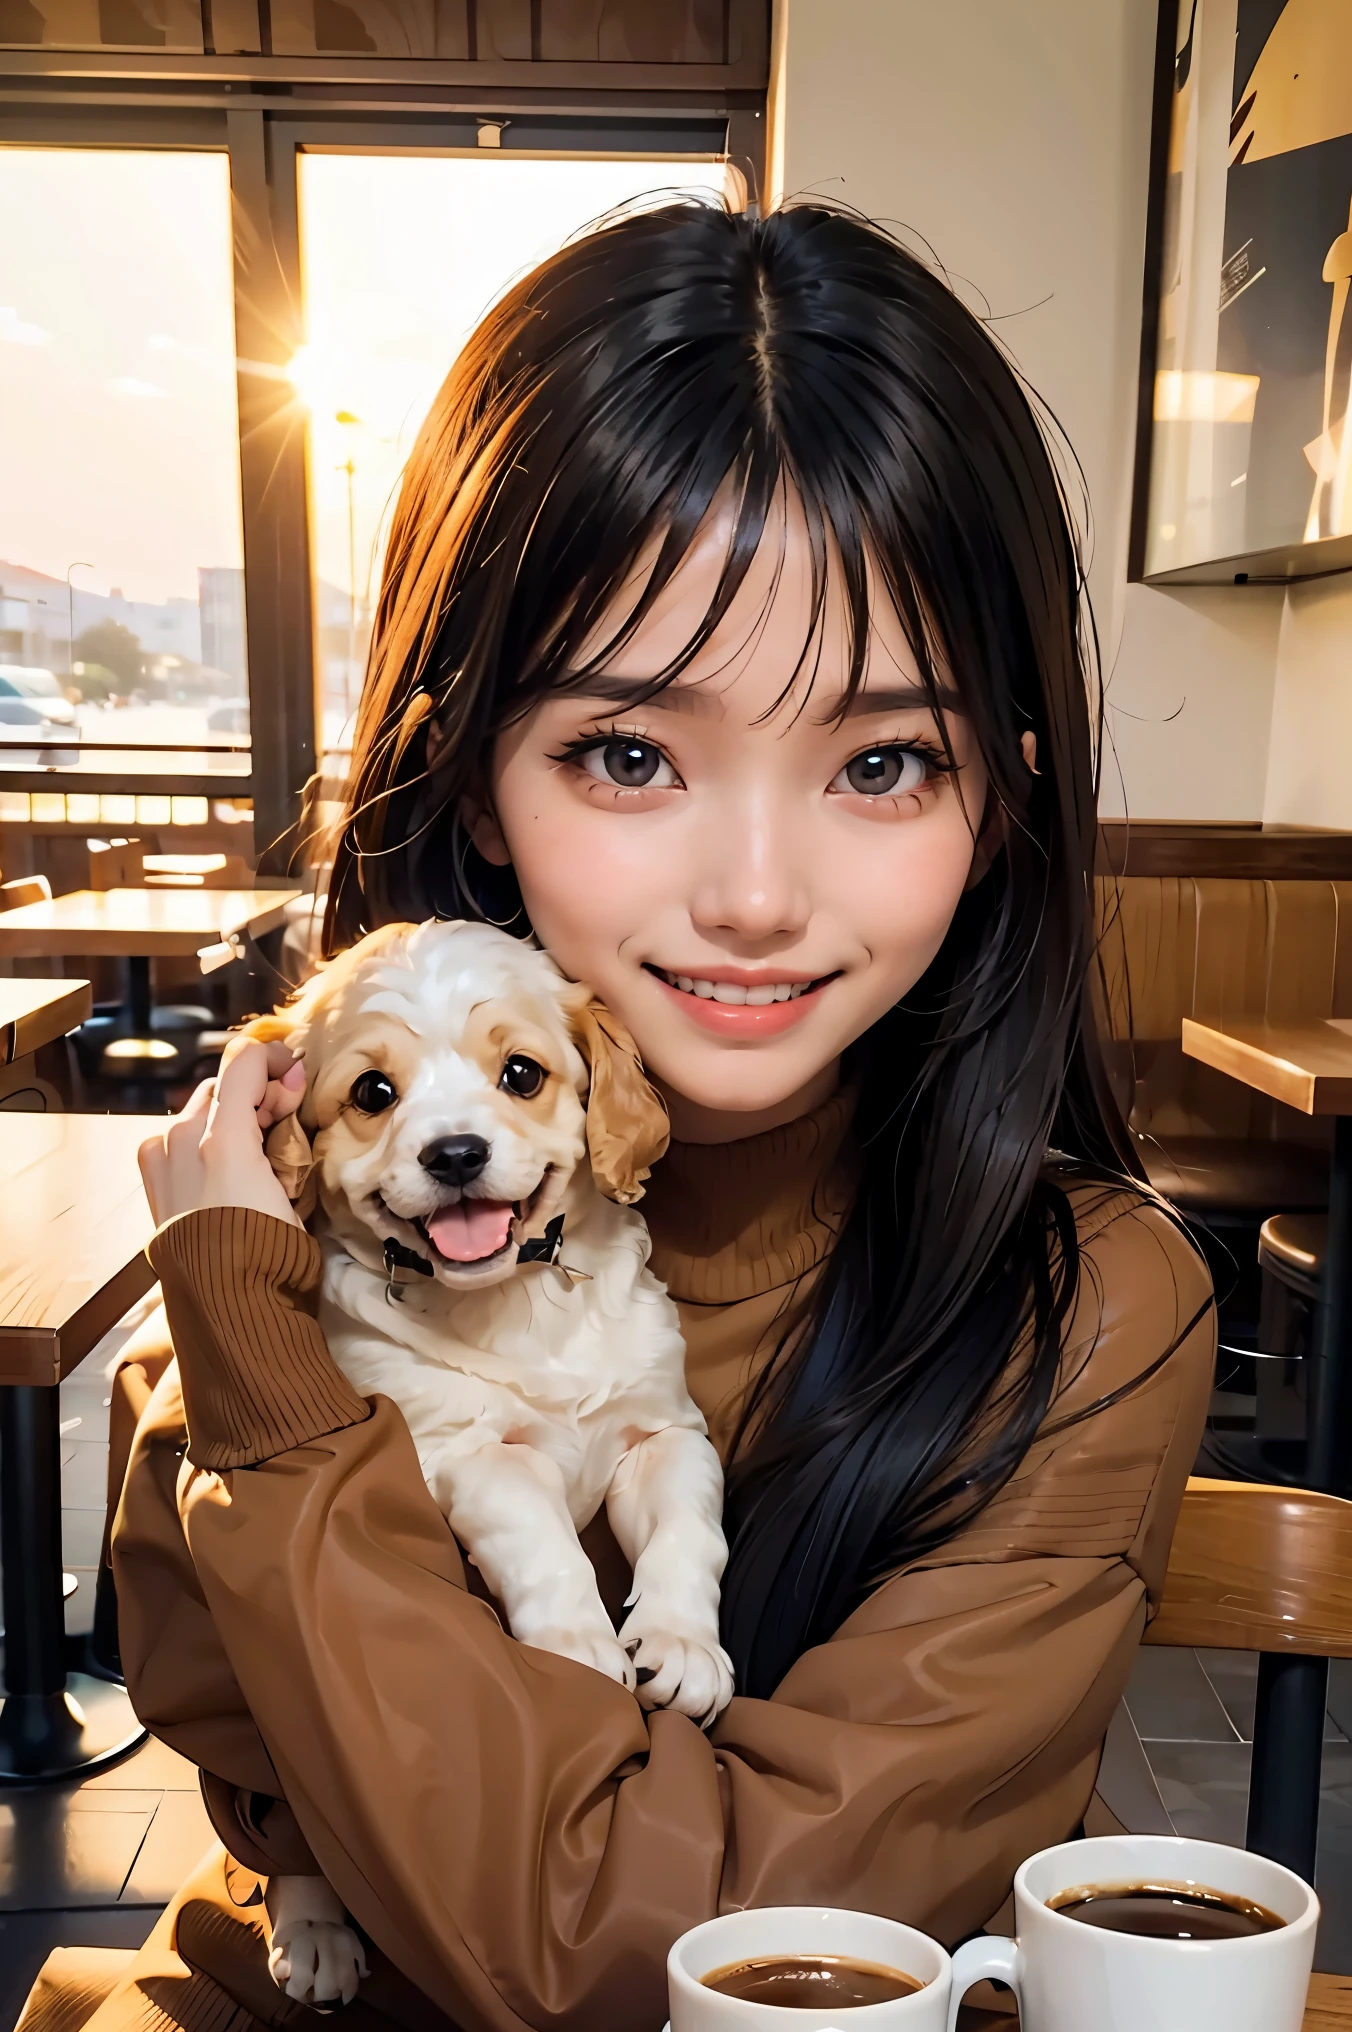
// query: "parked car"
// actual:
[[231, 717], [33, 707]]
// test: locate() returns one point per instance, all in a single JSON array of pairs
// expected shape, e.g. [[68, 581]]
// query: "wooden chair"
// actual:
[[115, 864], [25, 889], [1258, 1568]]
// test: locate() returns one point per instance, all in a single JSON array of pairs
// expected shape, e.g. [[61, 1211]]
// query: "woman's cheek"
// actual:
[[586, 886]]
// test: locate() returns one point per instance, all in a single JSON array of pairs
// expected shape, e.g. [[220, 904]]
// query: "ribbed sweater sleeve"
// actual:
[[240, 1292]]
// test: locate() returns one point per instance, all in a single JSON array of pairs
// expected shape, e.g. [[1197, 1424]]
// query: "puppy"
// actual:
[[474, 1133]]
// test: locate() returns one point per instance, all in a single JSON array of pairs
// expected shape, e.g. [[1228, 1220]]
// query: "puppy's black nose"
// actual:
[[454, 1160]]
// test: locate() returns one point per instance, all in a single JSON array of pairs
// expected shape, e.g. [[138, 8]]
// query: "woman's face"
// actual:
[[746, 881]]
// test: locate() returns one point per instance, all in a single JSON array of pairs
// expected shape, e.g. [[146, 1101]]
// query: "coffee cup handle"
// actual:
[[990, 1954]]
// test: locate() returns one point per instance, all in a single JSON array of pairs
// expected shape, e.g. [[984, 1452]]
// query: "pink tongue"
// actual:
[[470, 1229]]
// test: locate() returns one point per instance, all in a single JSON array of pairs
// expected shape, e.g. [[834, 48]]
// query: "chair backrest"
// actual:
[[1258, 1568], [25, 889], [1180, 945], [115, 864]]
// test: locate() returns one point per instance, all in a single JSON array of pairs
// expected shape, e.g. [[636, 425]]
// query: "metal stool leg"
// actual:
[[1288, 1746], [1329, 1460]]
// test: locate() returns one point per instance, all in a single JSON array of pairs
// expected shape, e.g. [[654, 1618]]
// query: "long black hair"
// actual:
[[667, 360]]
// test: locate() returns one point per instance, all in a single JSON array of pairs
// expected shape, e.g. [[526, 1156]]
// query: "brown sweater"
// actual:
[[511, 1830]]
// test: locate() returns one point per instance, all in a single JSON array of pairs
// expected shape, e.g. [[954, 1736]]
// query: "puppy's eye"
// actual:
[[522, 1077], [372, 1092]]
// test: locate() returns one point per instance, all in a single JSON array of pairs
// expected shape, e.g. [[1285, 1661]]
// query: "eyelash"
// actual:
[[936, 758]]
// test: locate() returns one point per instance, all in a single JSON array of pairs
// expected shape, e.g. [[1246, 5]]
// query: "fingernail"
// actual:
[[295, 1075]]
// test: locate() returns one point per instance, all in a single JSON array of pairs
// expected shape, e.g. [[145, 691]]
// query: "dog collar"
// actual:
[[543, 1248], [402, 1263]]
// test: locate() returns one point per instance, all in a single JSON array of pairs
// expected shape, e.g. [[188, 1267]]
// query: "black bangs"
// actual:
[[684, 369]]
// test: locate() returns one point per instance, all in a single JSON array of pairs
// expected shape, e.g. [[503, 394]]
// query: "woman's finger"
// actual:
[[281, 1059], [241, 1087], [154, 1162], [283, 1096]]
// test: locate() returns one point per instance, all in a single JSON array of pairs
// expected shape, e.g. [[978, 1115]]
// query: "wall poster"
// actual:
[[1250, 446]]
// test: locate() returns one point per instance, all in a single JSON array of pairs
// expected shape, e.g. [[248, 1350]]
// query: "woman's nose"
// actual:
[[752, 882]]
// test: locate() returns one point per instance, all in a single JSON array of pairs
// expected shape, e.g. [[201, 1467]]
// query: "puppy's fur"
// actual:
[[535, 1390]]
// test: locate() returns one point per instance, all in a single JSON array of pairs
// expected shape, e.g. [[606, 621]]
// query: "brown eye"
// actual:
[[372, 1092], [522, 1077], [880, 771]]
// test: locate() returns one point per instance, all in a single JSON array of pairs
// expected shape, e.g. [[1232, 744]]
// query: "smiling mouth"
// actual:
[[734, 995], [469, 1233]]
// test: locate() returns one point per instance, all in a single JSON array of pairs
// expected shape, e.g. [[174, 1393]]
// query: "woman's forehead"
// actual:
[[765, 644]]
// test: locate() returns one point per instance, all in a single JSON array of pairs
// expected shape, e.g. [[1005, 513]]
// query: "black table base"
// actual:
[[52, 1726], [1288, 1747], [45, 1737]]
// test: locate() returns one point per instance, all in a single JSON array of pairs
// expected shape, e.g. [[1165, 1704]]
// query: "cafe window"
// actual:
[[243, 241], [400, 257], [122, 616]]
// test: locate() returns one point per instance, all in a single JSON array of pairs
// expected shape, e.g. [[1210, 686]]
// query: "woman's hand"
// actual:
[[212, 1154]]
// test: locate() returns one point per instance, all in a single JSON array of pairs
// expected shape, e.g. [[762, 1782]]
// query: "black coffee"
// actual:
[[1166, 1911], [811, 1982]]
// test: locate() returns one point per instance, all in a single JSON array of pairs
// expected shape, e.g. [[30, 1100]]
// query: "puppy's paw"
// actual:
[[600, 1649], [680, 1668], [317, 1962]]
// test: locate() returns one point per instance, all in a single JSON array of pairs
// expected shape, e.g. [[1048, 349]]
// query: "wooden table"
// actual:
[[1309, 1066], [34, 1013], [1329, 2009], [137, 925], [73, 1228]]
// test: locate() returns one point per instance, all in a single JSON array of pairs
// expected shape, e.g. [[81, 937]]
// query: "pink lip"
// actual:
[[736, 1019]]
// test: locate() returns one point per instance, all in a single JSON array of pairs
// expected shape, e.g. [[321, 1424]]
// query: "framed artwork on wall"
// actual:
[[1244, 444]]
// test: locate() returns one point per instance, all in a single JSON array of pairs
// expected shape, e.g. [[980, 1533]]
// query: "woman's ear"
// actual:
[[481, 823], [992, 835], [627, 1126]]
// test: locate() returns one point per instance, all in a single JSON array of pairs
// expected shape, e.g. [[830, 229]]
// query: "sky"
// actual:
[[118, 432], [400, 258]]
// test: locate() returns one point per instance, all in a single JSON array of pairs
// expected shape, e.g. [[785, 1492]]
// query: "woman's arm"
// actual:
[[508, 1826]]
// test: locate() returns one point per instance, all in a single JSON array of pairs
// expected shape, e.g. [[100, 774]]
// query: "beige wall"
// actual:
[[1310, 756], [1013, 136]]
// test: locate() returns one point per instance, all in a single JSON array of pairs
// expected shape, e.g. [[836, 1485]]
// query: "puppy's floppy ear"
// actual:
[[627, 1126], [286, 1144], [289, 1153]]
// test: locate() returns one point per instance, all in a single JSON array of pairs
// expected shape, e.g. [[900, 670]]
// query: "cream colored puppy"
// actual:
[[474, 1132]]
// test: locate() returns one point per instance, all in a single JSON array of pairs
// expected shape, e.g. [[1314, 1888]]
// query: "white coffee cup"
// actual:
[[806, 1930], [1068, 1976]]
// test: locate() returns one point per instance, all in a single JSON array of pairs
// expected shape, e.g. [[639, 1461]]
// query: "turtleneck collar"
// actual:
[[731, 1221]]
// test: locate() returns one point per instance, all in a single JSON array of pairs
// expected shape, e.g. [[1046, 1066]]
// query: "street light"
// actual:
[[350, 422], [80, 564]]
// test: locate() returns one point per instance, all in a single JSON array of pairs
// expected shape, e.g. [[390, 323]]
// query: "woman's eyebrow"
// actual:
[[628, 691], [895, 698]]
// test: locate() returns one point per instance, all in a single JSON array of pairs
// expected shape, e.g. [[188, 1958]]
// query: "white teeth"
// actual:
[[730, 992]]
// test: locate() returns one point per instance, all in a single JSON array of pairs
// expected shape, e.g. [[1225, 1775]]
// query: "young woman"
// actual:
[[730, 643]]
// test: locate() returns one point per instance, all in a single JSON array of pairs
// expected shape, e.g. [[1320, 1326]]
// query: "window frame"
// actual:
[[263, 113]]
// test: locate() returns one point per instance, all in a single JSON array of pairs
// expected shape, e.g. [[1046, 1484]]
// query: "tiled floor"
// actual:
[[1193, 1711], [94, 1864]]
